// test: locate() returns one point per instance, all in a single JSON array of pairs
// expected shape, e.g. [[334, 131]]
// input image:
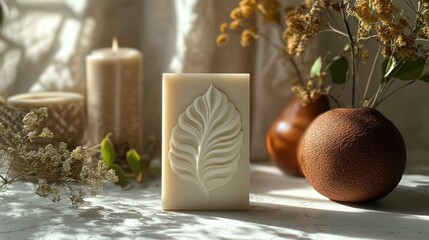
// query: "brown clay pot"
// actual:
[[353, 155], [285, 133]]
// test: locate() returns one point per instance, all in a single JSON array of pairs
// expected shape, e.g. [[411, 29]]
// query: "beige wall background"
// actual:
[[44, 43]]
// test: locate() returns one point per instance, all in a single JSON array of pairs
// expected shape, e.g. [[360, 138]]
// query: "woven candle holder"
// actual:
[[66, 120]]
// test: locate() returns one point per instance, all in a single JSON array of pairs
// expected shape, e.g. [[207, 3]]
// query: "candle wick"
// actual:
[[115, 45]]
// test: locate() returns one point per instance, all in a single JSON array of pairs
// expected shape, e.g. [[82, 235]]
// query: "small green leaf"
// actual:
[[108, 151], [134, 161], [339, 69], [410, 70], [389, 66], [122, 180], [384, 66], [316, 68], [424, 78]]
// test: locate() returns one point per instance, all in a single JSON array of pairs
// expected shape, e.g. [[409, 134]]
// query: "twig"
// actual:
[[368, 38], [385, 88], [4, 179], [280, 48], [333, 30], [335, 100], [295, 66], [371, 73], [17, 176], [67, 193], [352, 44], [377, 94], [422, 39], [8, 170], [410, 4], [393, 92]]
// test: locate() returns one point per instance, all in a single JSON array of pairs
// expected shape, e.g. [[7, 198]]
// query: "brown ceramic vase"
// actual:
[[353, 155], [285, 133]]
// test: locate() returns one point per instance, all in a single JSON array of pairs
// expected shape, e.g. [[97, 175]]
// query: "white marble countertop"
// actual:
[[281, 208]]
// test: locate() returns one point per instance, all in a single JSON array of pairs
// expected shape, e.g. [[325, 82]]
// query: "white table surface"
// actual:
[[281, 208]]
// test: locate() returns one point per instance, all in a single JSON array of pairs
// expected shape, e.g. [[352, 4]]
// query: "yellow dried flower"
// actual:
[[262, 9], [247, 11], [312, 90], [224, 27], [301, 26], [236, 14], [309, 84], [248, 36], [222, 39], [425, 18], [386, 51], [236, 24], [406, 46], [270, 10], [314, 95], [426, 30], [251, 3], [302, 94]]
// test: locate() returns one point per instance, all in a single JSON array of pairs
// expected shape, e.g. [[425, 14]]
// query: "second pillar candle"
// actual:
[[114, 94]]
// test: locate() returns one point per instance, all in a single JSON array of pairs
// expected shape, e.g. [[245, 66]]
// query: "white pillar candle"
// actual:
[[66, 114], [205, 142], [114, 95]]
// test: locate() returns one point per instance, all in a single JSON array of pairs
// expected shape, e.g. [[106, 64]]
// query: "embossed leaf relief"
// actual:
[[205, 144]]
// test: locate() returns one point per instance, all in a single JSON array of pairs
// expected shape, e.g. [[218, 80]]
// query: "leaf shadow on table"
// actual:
[[304, 222], [122, 214], [138, 217]]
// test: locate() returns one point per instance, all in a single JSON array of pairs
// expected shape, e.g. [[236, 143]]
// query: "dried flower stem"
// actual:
[[290, 58], [9, 181], [334, 30], [295, 66], [393, 92], [379, 92], [353, 57], [374, 63], [335, 100]]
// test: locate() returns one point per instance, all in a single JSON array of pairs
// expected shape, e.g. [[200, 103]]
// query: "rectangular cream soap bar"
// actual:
[[205, 142]]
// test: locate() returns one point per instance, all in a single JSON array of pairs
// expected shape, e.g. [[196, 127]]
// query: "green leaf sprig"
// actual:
[[108, 154], [135, 162], [133, 159]]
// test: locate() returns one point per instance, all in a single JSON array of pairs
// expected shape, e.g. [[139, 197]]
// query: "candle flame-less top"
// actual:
[[44, 99], [114, 53]]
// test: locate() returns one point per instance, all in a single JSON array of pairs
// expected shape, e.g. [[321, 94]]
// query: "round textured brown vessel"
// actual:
[[353, 155], [283, 137]]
